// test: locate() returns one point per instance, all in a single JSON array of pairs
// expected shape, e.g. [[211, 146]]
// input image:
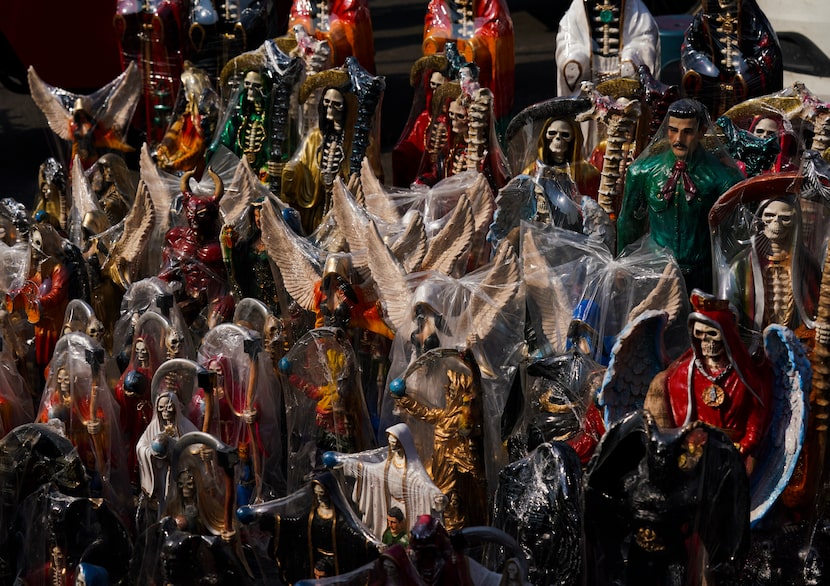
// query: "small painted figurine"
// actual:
[[56, 275], [483, 32], [670, 189], [315, 523], [193, 256], [94, 123], [345, 24], [730, 53], [114, 186], [397, 481], [457, 464], [185, 142], [597, 42], [151, 35], [51, 199]]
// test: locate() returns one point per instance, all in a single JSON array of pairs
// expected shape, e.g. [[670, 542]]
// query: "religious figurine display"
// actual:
[[95, 123], [483, 32], [345, 24], [649, 494], [151, 36], [196, 112], [730, 53], [193, 256], [113, 185], [597, 42], [670, 188], [347, 131], [392, 488], [314, 523]]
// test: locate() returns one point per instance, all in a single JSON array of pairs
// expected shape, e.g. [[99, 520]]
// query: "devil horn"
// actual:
[[185, 184], [219, 190]]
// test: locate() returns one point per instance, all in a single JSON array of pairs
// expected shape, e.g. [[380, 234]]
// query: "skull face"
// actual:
[[63, 382], [166, 410], [778, 219], [95, 330], [186, 484], [559, 137], [173, 343], [321, 495], [709, 338], [394, 444], [458, 118], [766, 128], [142, 356], [37, 246], [333, 103], [436, 80], [254, 87]]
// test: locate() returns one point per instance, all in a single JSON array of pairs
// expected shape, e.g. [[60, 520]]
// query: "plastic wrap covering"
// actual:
[[77, 395], [483, 33], [600, 42], [324, 402], [192, 125], [221, 30], [654, 492], [769, 244], [671, 186], [34, 455], [152, 36], [151, 294], [313, 527], [387, 477], [730, 53], [244, 409], [67, 539], [540, 503], [16, 399], [345, 24]]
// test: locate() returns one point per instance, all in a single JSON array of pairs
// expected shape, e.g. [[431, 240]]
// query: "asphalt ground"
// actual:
[[26, 140]]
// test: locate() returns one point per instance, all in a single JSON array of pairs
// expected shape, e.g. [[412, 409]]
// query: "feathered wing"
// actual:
[[162, 189], [483, 204], [410, 247], [124, 262], [636, 358], [83, 201], [498, 289], [122, 95], [50, 103], [380, 204], [390, 278], [243, 189], [350, 218], [667, 295], [298, 263], [547, 294], [453, 240], [778, 454], [597, 224]]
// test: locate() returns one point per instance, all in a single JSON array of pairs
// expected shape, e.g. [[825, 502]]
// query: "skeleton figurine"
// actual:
[[600, 41], [730, 53], [51, 199]]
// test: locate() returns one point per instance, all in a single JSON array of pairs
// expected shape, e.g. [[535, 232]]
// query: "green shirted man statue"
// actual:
[[670, 189]]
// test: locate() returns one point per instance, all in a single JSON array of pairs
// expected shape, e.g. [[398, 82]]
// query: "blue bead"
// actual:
[[284, 365], [398, 387]]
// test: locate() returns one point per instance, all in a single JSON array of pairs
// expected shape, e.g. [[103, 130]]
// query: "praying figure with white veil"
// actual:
[[388, 477]]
